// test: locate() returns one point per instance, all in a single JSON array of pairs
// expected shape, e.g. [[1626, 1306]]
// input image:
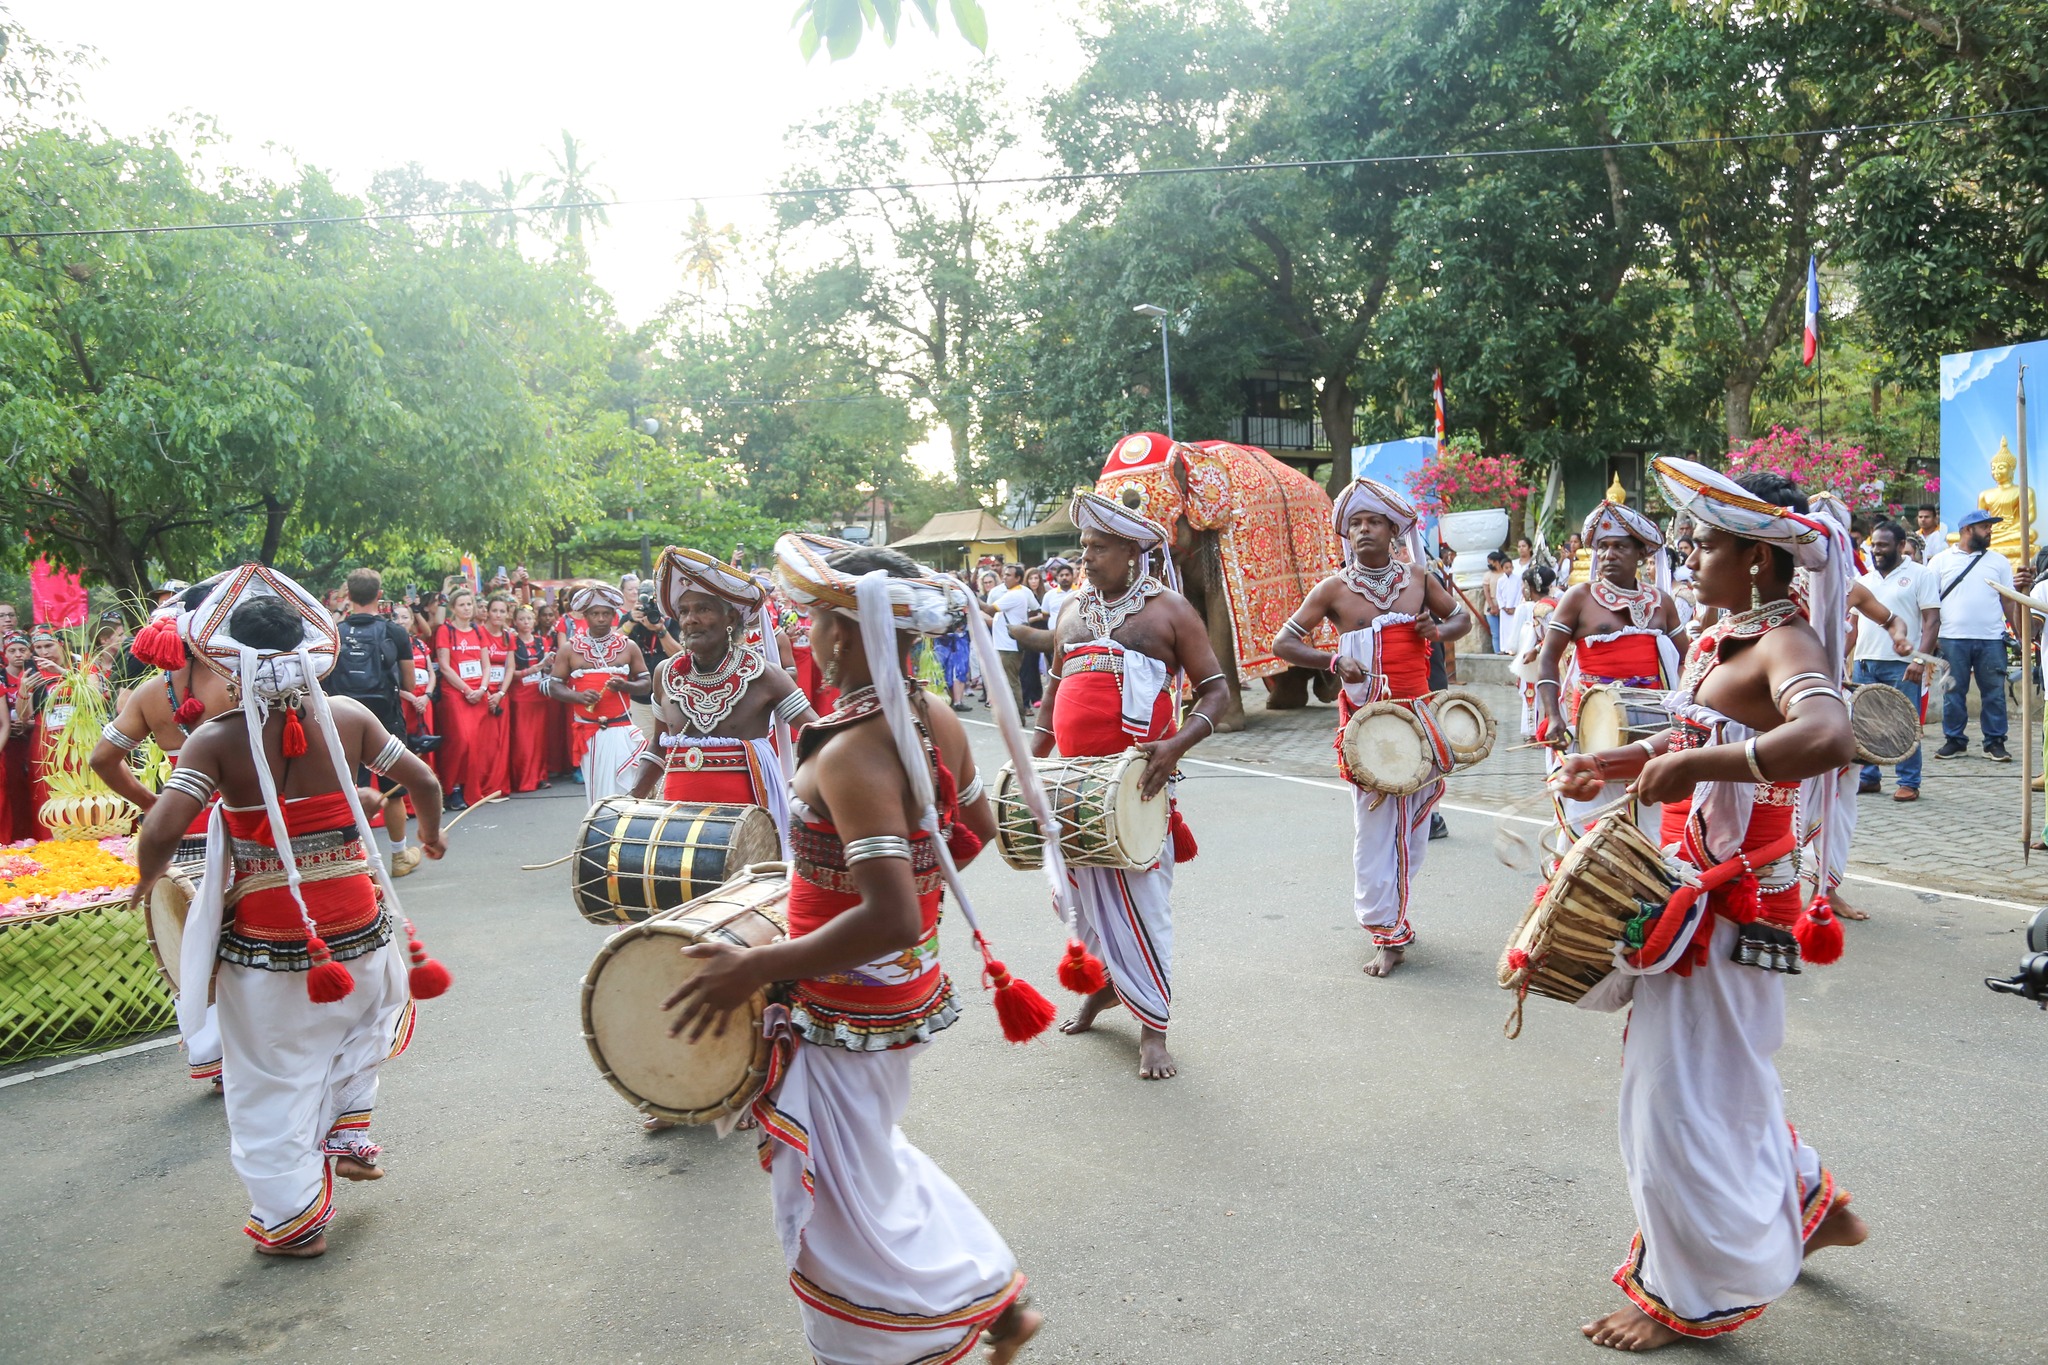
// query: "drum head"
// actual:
[[1140, 824], [1386, 749], [1886, 725], [1017, 835], [627, 1030], [1464, 722], [1600, 719], [169, 902]]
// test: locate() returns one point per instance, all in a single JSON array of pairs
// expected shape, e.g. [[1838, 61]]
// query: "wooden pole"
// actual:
[[2026, 639]]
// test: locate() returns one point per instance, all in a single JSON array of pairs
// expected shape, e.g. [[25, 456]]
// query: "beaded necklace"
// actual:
[[1745, 625], [707, 699], [1638, 604], [1103, 617], [1382, 586]]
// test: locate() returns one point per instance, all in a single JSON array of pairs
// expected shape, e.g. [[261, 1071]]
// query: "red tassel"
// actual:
[[157, 644], [294, 741], [190, 711], [1184, 846], [1517, 960], [329, 981], [428, 977], [1819, 933], [1081, 971], [963, 843], [1020, 1009]]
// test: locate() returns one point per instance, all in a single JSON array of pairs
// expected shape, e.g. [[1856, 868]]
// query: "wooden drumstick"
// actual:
[[474, 805], [542, 867]]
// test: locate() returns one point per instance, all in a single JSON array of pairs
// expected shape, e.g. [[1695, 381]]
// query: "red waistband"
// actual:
[[1088, 716]]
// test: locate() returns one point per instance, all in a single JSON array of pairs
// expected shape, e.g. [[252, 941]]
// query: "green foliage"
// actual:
[[838, 25]]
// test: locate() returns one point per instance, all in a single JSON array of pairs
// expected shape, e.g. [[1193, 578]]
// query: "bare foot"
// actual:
[[1084, 1018], [1629, 1329], [219, 1086], [304, 1251], [349, 1168], [1384, 964], [1008, 1334], [1846, 911], [1155, 1063], [1840, 1228], [655, 1123]]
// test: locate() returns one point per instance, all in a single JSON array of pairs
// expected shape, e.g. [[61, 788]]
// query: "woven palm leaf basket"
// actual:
[[76, 979]]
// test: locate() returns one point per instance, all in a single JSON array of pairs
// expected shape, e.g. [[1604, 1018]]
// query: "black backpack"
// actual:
[[365, 668]]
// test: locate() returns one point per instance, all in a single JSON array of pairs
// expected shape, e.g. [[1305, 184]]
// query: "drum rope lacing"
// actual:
[[1382, 586], [1639, 603]]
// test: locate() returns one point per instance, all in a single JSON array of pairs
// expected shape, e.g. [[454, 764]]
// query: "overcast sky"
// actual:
[[671, 99]]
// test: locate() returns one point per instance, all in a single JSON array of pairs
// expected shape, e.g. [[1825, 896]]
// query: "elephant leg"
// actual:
[[1287, 691]]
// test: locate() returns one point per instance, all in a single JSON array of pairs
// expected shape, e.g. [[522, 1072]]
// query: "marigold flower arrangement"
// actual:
[[61, 874], [1460, 479]]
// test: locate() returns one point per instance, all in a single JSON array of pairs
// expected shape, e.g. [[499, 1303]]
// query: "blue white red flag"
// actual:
[[1812, 348], [1439, 388]]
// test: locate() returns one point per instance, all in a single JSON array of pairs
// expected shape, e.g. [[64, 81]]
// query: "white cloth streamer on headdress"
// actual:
[[929, 604]]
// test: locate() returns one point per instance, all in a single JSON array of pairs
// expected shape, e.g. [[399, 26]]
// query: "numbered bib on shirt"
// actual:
[[497, 674], [60, 716], [470, 670]]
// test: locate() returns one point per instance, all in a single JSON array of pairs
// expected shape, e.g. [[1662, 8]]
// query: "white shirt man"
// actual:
[[1907, 590], [1972, 635], [1973, 610], [1014, 606]]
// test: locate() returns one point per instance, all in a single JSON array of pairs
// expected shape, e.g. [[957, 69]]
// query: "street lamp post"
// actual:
[[1153, 310]]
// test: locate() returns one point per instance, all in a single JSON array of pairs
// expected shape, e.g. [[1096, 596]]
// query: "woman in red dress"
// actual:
[[17, 742], [459, 654], [492, 745], [417, 706], [530, 710], [550, 627]]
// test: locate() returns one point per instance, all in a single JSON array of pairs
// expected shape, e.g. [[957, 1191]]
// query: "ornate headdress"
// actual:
[[1370, 495], [1615, 519], [291, 679], [1092, 512], [597, 595], [930, 604], [683, 570]]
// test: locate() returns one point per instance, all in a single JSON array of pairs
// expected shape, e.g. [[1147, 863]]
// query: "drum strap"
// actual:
[[1658, 941]]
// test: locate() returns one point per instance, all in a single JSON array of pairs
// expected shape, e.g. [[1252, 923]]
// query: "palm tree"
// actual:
[[572, 191], [503, 226], [703, 255]]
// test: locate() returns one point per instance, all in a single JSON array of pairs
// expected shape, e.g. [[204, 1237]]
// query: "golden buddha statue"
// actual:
[[2002, 499], [1582, 563]]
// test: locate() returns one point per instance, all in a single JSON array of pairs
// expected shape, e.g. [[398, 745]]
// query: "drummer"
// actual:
[[594, 674], [1387, 616], [177, 702], [1119, 642], [1620, 633], [1728, 1199], [888, 1258], [717, 702]]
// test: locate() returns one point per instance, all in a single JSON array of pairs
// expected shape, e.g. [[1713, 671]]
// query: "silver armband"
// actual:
[[650, 758], [792, 706], [386, 756], [877, 846], [1293, 627], [974, 790], [1213, 677], [192, 783], [1818, 689], [114, 736], [547, 685], [1560, 627]]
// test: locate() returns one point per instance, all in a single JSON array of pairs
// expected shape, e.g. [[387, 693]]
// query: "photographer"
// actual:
[[374, 665], [657, 639]]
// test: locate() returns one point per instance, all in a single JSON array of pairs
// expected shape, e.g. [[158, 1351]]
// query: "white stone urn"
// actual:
[[1473, 535]]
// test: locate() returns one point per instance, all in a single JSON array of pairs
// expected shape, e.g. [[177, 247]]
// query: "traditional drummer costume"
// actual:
[[1725, 1192], [603, 740], [291, 893], [697, 762], [890, 1261], [1390, 833], [1639, 655], [1110, 698]]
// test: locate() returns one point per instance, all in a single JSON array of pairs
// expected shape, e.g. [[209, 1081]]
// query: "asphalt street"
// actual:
[[1345, 1169]]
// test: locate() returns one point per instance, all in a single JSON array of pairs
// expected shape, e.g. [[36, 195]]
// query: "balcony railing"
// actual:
[[1279, 433]]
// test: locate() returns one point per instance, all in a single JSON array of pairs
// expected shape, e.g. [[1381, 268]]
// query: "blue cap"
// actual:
[[1978, 517]]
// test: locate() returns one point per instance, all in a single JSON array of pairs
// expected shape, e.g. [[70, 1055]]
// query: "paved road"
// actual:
[[1345, 1170]]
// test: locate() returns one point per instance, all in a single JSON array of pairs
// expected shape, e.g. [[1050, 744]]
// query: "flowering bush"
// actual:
[[1854, 474], [1463, 480]]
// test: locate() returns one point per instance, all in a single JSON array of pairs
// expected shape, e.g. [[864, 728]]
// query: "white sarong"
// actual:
[[1387, 846], [890, 1261], [1126, 919], [301, 1080], [1725, 1193], [611, 762]]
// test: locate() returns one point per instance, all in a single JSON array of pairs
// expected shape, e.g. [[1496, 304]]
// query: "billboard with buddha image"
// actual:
[[1980, 440]]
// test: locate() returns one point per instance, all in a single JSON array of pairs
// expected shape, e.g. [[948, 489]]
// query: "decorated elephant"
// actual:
[[1250, 537]]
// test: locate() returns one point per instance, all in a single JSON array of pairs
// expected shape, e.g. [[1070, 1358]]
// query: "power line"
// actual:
[[1850, 130]]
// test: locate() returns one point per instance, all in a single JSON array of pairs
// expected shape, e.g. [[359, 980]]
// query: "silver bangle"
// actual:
[[973, 791], [1560, 627], [1647, 746], [1785, 708], [1749, 756], [386, 756], [1194, 716], [651, 758], [1041, 730], [1213, 677], [1549, 682], [115, 736], [193, 783], [877, 846], [1293, 627], [792, 706]]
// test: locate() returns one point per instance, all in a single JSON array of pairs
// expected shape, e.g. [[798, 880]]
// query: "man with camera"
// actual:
[[374, 666]]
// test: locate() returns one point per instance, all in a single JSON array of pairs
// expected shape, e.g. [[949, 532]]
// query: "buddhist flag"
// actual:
[[1812, 348], [469, 572], [1439, 387]]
